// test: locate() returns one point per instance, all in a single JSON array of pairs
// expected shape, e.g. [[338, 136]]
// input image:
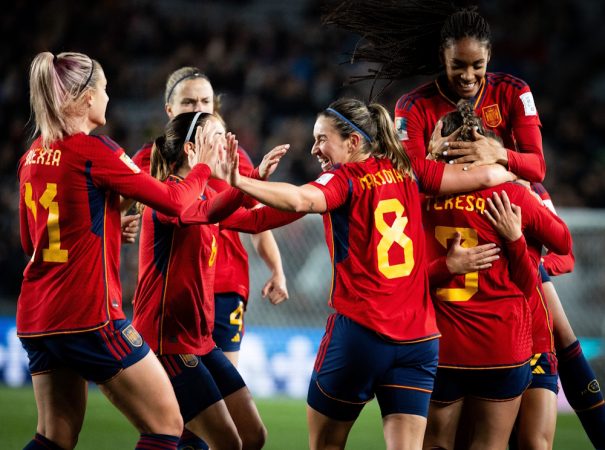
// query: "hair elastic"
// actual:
[[192, 126], [351, 124], [92, 69], [190, 75]]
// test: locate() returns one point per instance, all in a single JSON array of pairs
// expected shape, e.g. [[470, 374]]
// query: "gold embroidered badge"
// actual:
[[132, 336], [189, 360], [491, 116]]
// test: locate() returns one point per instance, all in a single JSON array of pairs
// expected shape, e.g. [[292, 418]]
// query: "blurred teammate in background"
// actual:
[[69, 314], [383, 339], [459, 41]]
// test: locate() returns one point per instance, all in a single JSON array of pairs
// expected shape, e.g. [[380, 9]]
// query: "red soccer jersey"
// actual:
[[483, 316], [174, 301], [70, 225], [232, 259], [374, 234], [142, 157], [504, 103]]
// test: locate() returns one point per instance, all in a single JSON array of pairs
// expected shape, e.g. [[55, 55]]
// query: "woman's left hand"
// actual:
[[270, 161], [480, 152]]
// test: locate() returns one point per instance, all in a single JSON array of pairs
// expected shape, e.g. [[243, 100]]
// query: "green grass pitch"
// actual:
[[106, 429]]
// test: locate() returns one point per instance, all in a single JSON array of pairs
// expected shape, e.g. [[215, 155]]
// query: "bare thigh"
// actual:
[[537, 419], [61, 401], [143, 393], [247, 419], [442, 425], [326, 433], [403, 431], [216, 427], [491, 422]]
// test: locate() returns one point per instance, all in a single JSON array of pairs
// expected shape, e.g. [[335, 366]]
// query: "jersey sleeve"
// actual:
[[522, 267], [438, 271], [410, 127], [542, 224], [527, 161], [335, 186], [558, 264], [429, 174], [258, 219], [205, 211], [142, 158], [110, 167]]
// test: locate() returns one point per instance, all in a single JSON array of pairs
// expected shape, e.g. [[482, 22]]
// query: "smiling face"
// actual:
[[465, 63], [192, 95], [329, 147]]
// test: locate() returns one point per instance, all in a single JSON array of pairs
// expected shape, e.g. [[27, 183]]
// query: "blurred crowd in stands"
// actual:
[[276, 67]]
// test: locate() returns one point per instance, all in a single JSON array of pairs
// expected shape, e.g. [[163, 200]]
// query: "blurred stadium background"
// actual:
[[276, 66]]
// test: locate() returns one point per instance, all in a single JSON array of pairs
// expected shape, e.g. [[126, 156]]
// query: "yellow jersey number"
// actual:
[[54, 252], [471, 279], [391, 235]]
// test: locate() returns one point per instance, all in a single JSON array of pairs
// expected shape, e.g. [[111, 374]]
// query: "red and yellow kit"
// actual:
[[504, 103], [70, 225], [174, 299], [483, 316], [376, 242], [232, 259]]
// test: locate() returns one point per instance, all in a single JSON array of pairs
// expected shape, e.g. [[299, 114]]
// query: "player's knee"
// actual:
[[536, 442], [255, 439]]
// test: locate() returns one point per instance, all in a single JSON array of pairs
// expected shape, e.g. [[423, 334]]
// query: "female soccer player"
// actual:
[[174, 305], [382, 340], [69, 315]]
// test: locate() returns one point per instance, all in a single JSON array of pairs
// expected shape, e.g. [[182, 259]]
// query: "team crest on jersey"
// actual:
[[132, 336], [189, 360], [129, 162], [491, 115], [401, 126]]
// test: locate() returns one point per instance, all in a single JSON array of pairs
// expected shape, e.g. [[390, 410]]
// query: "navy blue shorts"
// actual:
[[201, 381], [228, 321], [452, 385], [544, 371], [97, 355], [355, 363], [544, 274]]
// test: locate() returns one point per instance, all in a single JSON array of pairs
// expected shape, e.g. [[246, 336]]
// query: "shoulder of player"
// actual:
[[425, 91], [104, 142], [503, 80]]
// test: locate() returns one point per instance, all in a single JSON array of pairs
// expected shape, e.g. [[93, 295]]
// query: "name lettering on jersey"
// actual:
[[528, 104], [491, 115], [469, 203], [384, 176], [130, 163], [43, 156]]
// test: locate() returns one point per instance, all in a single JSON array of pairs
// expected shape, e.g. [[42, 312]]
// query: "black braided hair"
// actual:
[[405, 37], [464, 118]]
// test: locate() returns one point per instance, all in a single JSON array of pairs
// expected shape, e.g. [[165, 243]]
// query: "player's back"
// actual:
[[483, 315], [70, 224], [376, 242]]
